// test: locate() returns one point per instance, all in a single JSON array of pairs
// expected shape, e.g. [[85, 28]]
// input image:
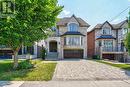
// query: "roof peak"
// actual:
[[73, 15]]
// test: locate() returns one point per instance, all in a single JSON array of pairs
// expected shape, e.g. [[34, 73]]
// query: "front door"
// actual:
[[53, 46]]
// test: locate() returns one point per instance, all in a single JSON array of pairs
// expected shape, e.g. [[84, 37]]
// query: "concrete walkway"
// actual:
[[86, 70], [123, 83]]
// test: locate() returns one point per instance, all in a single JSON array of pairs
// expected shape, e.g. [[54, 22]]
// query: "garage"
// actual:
[[73, 53]]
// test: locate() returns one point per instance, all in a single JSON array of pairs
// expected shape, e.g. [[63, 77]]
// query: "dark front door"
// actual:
[[73, 53], [53, 46]]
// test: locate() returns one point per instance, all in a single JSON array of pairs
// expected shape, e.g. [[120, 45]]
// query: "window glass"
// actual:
[[106, 31], [73, 27], [73, 41], [125, 30], [108, 43]]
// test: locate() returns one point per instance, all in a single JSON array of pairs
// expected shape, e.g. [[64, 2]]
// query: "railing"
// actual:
[[112, 49]]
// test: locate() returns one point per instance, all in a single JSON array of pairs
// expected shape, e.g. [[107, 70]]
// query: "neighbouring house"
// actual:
[[108, 39], [24, 53], [69, 39]]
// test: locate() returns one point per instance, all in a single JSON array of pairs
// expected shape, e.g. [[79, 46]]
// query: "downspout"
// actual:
[[117, 39]]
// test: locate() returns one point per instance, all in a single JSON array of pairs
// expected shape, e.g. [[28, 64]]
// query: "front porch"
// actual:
[[25, 52], [114, 54], [53, 48]]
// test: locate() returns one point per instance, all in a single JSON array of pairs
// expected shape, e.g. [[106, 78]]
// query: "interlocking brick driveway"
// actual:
[[88, 70]]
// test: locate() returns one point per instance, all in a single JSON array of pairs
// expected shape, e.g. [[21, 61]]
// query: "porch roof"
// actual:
[[106, 37]]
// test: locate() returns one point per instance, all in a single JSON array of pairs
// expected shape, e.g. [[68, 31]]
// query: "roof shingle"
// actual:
[[65, 21]]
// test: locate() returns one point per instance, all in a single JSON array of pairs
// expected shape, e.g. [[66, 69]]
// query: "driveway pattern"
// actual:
[[88, 70]]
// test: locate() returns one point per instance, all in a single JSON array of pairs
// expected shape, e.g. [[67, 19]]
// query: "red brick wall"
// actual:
[[91, 43]]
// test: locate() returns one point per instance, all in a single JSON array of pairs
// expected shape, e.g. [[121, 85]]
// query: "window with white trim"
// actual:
[[73, 27], [125, 31], [73, 41], [106, 31]]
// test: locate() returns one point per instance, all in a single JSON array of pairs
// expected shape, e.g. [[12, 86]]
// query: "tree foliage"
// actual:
[[31, 23], [127, 41]]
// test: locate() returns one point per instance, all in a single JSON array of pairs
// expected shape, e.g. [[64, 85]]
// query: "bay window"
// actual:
[[73, 41], [108, 45]]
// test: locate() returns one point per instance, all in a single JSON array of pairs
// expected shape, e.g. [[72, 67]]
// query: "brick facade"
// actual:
[[91, 44]]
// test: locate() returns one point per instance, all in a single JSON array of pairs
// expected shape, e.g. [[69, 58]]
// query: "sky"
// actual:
[[95, 11]]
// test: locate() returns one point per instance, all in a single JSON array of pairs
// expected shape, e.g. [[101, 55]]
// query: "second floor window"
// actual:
[[73, 27], [125, 30], [106, 31]]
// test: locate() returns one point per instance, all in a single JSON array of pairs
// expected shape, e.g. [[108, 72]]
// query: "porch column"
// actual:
[[48, 49], [85, 47], [35, 49], [22, 49]]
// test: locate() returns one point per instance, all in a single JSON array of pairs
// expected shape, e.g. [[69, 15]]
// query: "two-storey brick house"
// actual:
[[110, 37], [69, 39]]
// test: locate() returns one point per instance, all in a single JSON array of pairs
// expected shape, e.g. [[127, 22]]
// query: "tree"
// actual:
[[127, 41], [30, 23]]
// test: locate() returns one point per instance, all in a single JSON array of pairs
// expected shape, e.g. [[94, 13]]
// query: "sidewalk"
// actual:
[[115, 83]]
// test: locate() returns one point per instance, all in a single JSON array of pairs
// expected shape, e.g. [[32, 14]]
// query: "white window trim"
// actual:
[[80, 39], [72, 23], [107, 28]]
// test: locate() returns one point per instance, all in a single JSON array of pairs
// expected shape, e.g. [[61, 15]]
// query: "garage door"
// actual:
[[73, 53]]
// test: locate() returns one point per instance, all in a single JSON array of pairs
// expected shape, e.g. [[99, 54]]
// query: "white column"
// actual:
[[85, 47], [22, 49], [35, 49], [48, 42]]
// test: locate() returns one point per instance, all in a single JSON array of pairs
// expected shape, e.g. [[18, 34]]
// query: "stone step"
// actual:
[[52, 56]]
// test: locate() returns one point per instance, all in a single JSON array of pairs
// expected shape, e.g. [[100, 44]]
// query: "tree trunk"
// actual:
[[15, 60]]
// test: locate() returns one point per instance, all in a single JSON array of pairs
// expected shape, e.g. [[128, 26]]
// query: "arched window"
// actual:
[[73, 27], [106, 31]]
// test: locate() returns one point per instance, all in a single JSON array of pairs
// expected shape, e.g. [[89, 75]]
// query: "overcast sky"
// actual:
[[95, 11]]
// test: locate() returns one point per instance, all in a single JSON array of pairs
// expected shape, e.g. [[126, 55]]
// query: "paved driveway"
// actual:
[[88, 70]]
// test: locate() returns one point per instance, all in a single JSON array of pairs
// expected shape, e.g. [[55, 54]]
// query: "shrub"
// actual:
[[96, 57], [43, 53], [25, 65]]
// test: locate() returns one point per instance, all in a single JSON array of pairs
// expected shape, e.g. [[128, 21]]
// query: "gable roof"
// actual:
[[115, 26], [106, 22], [121, 23], [65, 21]]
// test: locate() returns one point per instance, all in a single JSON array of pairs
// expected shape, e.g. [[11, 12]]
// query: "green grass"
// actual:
[[121, 66], [41, 71]]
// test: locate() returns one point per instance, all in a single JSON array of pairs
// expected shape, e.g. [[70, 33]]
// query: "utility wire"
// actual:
[[120, 14]]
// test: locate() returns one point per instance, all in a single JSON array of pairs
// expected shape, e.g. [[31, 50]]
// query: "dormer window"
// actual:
[[106, 31], [73, 27]]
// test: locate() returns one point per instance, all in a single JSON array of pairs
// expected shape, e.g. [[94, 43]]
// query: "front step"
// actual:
[[52, 56]]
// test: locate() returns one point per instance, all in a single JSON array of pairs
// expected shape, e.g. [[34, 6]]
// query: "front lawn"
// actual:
[[121, 66], [41, 71]]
